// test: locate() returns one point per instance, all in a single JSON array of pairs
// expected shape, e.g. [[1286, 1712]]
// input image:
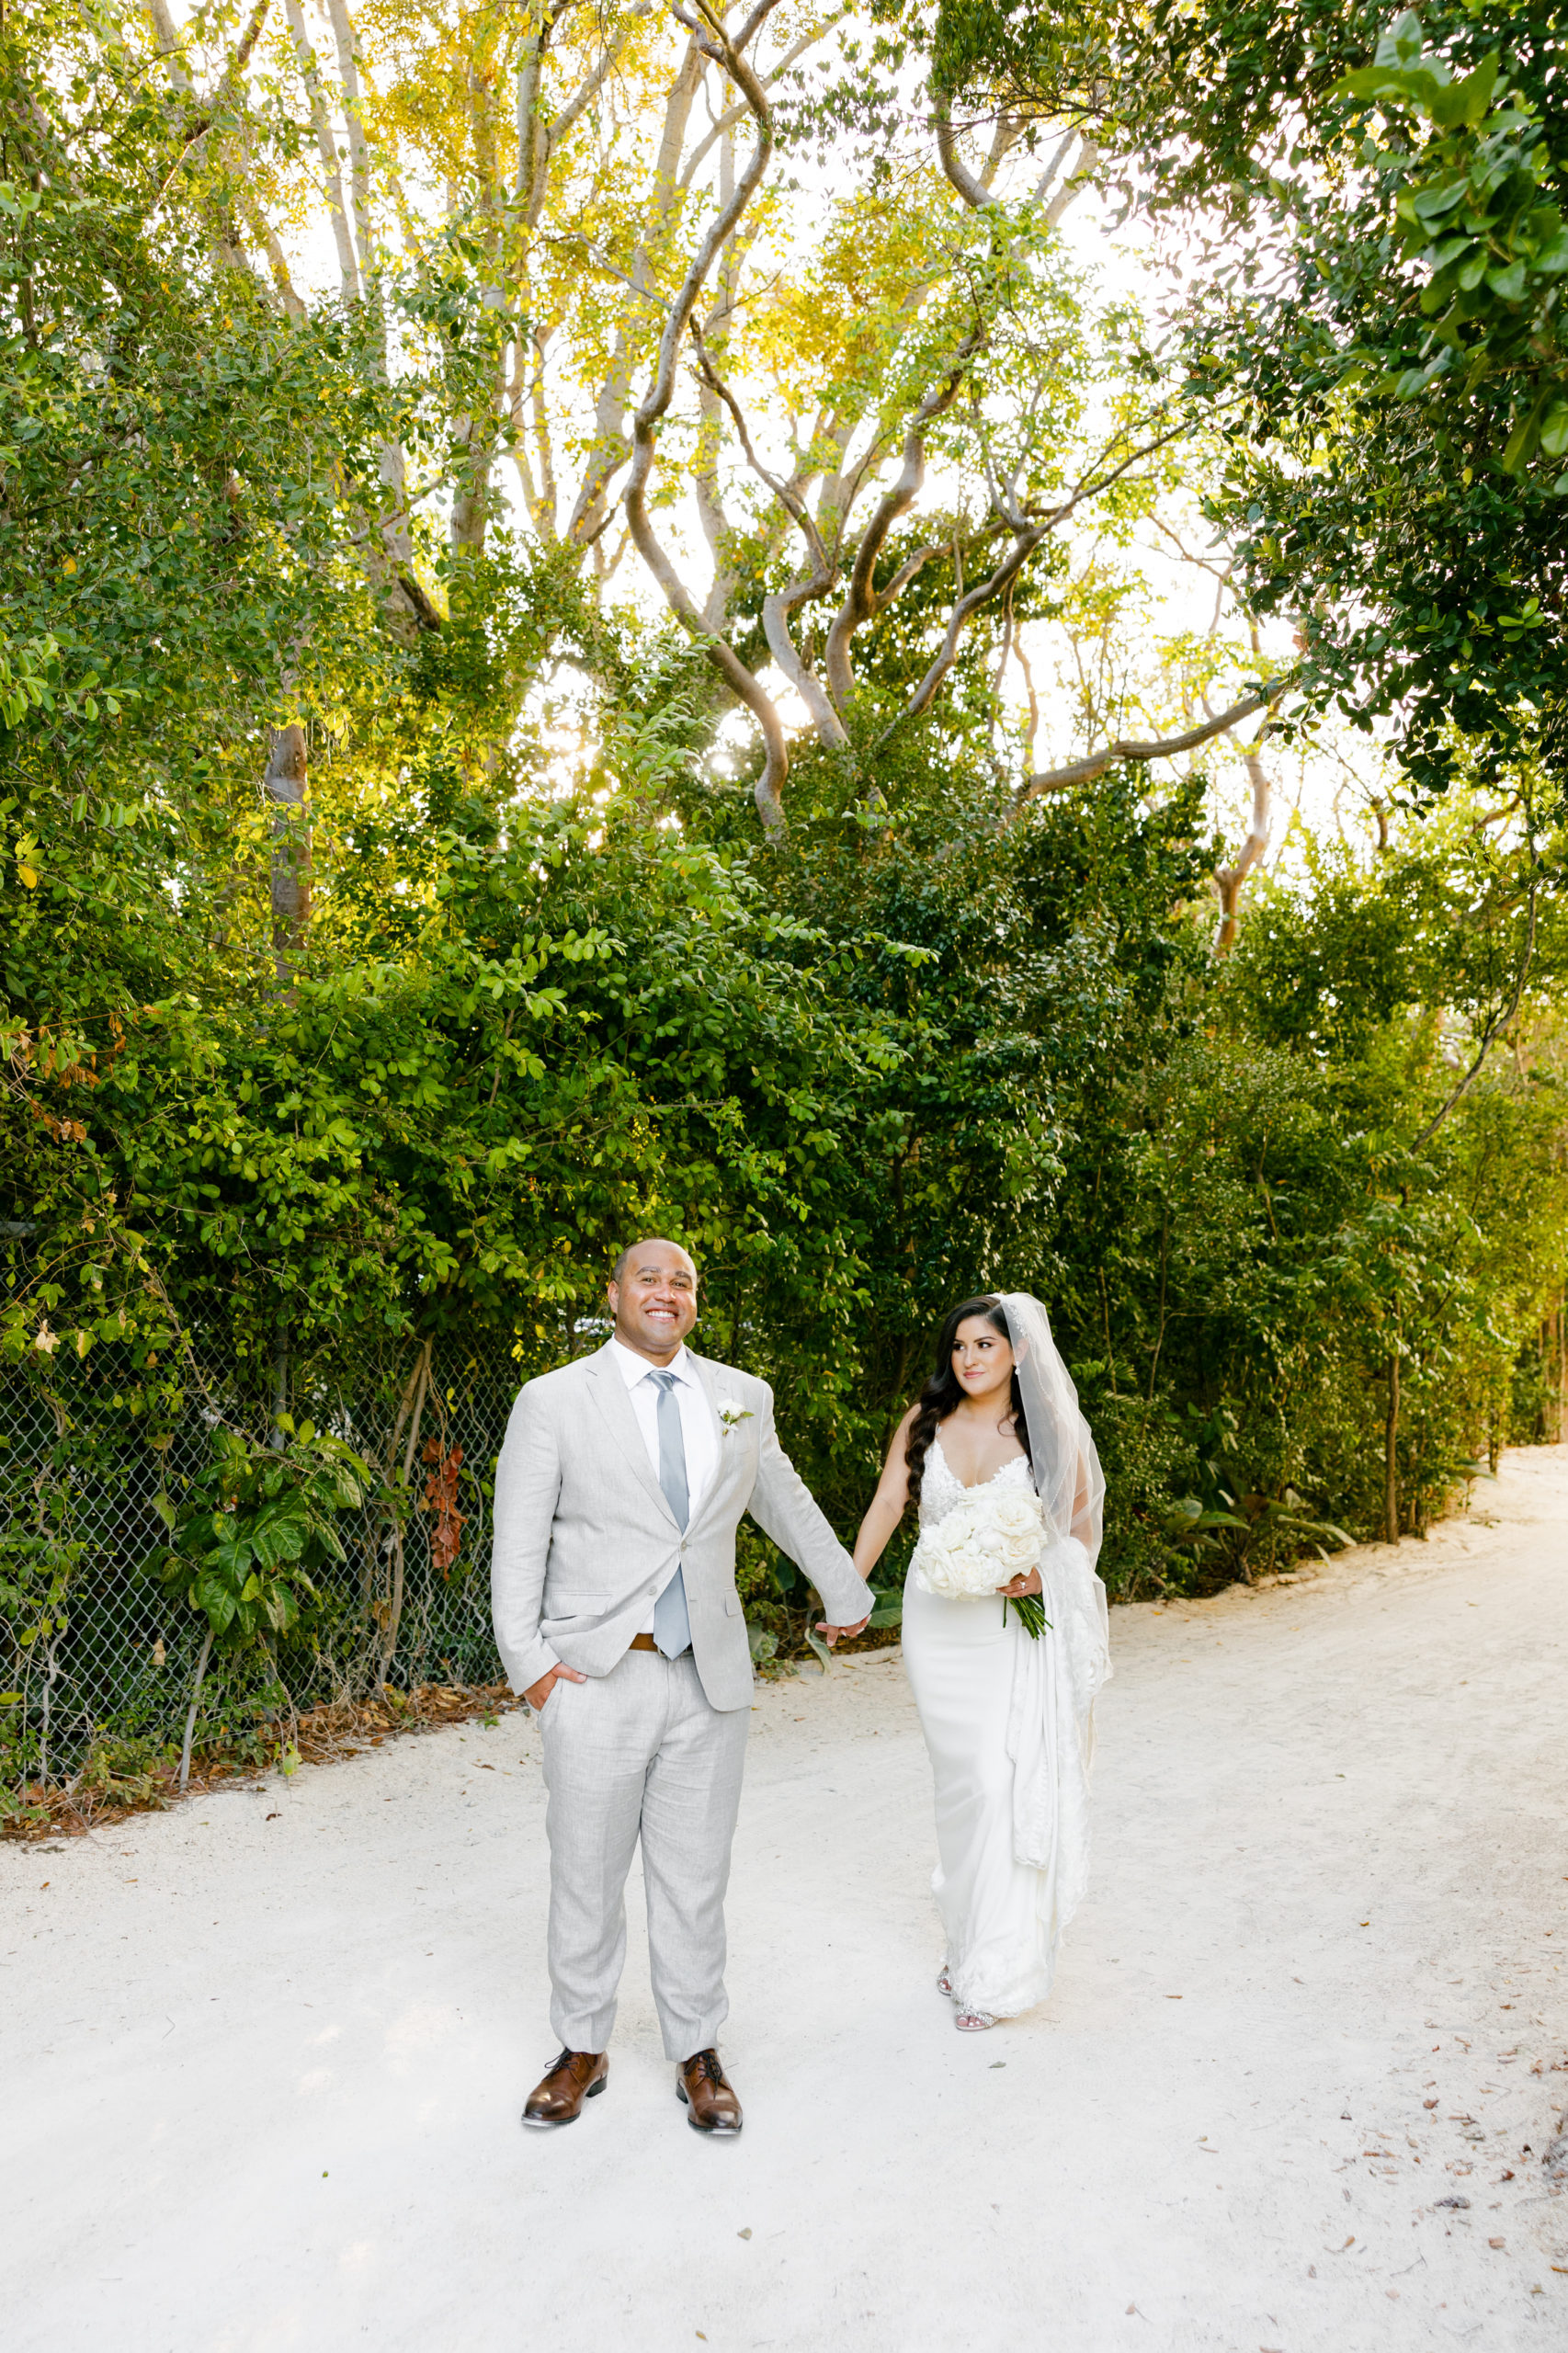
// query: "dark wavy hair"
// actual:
[[943, 1390]]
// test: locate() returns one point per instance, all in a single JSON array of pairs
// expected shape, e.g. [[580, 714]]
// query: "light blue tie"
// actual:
[[672, 1626]]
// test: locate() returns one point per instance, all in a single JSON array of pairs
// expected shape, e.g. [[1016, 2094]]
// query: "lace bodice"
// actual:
[[941, 1490]]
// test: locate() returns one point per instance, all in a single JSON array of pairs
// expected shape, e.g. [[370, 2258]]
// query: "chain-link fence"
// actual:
[[98, 1655]]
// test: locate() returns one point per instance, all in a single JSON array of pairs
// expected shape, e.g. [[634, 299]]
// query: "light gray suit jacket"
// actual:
[[584, 1539]]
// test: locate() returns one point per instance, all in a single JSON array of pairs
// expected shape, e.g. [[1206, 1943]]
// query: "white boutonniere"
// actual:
[[731, 1415]]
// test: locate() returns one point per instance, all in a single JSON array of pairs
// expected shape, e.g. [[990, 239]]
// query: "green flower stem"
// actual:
[[1031, 1613]]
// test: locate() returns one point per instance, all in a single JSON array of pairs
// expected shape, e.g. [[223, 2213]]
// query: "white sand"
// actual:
[[264, 2056]]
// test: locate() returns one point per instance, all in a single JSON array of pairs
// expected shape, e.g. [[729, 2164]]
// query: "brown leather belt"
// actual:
[[643, 1643]]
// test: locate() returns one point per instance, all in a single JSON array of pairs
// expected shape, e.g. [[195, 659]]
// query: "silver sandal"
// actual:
[[973, 2021], [944, 1981]]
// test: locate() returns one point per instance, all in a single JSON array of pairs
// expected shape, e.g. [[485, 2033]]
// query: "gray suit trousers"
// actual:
[[640, 1753]]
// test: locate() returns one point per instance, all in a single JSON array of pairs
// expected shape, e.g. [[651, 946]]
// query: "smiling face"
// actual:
[[982, 1359], [654, 1298]]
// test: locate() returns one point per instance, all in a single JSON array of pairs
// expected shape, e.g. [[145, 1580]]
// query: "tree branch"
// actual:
[[1027, 537], [326, 148], [609, 451], [781, 603], [978, 198], [732, 115], [861, 602], [1166, 748], [710, 38], [227, 83], [1229, 879], [968, 604]]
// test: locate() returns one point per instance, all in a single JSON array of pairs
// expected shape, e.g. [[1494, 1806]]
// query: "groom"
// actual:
[[619, 1490]]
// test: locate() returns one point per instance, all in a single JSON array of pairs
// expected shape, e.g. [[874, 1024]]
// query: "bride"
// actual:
[[1008, 1719]]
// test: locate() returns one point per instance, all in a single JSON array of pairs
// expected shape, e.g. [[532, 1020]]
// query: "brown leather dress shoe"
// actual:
[[708, 2092], [575, 2076]]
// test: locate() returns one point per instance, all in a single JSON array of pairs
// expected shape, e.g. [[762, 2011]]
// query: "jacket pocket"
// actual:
[[576, 1605], [732, 1605]]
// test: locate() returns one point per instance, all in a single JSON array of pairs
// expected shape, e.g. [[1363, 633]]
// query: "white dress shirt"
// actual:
[[698, 1429]]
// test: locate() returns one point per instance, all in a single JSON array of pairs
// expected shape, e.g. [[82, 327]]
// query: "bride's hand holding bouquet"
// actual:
[[992, 1543]]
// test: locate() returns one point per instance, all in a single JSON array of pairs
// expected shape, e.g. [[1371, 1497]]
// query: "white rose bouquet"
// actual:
[[982, 1544]]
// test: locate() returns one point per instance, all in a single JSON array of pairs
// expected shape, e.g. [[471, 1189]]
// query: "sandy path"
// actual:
[[264, 2057]]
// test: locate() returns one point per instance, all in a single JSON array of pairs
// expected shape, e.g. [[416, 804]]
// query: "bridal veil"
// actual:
[[1057, 1679]]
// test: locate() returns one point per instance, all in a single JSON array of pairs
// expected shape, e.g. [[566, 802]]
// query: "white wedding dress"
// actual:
[[1009, 1724]]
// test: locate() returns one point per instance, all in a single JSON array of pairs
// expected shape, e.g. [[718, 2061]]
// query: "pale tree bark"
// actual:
[[361, 225], [170, 45], [1028, 529], [829, 701], [197, 125], [779, 606], [673, 175], [609, 452], [286, 786], [716, 526], [326, 148], [863, 601], [978, 190], [525, 392], [1124, 754], [475, 432], [717, 46], [1230, 880]]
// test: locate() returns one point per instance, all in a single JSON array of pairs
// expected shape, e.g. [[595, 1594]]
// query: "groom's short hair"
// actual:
[[618, 1271]]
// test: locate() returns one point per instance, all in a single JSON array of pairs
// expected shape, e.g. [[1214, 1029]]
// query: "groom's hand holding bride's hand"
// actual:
[[833, 1633], [538, 1693]]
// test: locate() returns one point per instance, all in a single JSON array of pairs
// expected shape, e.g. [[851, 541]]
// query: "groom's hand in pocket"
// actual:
[[538, 1693]]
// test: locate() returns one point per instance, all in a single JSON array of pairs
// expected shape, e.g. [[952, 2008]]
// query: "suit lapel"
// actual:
[[613, 1400], [727, 1454]]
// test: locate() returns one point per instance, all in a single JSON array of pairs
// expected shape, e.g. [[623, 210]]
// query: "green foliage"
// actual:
[[1378, 201], [124, 1769], [1474, 213], [253, 1524], [1297, 1214]]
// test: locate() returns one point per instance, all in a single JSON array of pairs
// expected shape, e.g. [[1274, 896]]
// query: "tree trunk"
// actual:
[[286, 781], [1391, 1456]]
